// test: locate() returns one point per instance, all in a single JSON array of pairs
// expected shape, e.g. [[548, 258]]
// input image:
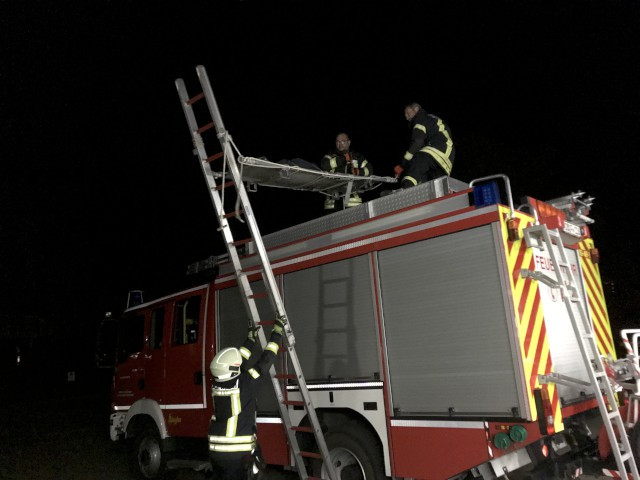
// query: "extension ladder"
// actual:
[[539, 236], [218, 183]]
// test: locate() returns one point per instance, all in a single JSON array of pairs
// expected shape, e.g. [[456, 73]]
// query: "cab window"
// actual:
[[157, 328], [131, 337], [186, 321]]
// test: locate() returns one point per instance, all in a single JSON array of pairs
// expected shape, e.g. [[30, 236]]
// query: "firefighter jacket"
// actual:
[[429, 134], [233, 425], [352, 163]]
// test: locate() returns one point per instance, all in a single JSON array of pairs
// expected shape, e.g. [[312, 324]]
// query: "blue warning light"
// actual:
[[486, 194]]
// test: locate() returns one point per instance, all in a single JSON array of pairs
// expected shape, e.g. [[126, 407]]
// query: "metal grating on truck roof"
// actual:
[[397, 200]]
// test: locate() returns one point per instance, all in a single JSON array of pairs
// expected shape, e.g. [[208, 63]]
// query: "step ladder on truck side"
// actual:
[[629, 368], [218, 182], [562, 278]]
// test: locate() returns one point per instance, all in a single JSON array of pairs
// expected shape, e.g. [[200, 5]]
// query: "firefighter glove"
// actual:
[[278, 325], [398, 170], [253, 333]]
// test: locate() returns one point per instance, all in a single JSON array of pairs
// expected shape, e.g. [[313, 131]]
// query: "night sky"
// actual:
[[99, 191]]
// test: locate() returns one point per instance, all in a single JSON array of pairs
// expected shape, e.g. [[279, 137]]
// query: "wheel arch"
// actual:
[[332, 419], [141, 413]]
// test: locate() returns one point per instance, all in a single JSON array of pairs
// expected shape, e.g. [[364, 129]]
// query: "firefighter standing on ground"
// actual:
[[344, 160], [431, 152], [232, 430]]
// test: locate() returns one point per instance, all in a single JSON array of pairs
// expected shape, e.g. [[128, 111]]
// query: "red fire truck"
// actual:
[[421, 339]]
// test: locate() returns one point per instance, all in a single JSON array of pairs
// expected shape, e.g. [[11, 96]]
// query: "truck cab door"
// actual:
[[154, 354], [184, 370], [129, 373]]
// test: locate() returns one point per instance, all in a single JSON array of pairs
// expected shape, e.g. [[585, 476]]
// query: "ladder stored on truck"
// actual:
[[539, 236], [230, 177]]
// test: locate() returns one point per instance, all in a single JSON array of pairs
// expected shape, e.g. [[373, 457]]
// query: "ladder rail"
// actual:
[[210, 178], [266, 271], [243, 281], [223, 136], [571, 295]]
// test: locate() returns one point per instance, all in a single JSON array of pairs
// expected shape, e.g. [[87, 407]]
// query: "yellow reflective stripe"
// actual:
[[411, 179], [245, 352], [420, 127], [444, 162], [329, 203], [254, 373], [333, 161], [273, 347], [232, 440], [231, 448], [408, 156], [236, 406], [232, 426], [225, 392], [354, 201], [443, 130]]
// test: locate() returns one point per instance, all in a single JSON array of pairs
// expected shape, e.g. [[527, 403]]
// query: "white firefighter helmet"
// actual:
[[226, 364]]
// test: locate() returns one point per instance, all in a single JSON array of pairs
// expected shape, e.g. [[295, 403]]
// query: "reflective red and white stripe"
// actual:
[[615, 474]]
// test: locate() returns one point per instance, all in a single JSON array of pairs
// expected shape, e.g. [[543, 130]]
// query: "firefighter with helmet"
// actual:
[[232, 430], [431, 152]]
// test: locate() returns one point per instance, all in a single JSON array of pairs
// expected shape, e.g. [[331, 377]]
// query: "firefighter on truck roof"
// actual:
[[431, 152], [232, 430], [344, 160]]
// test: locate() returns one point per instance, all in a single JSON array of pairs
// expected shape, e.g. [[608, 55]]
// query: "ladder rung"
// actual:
[[293, 403], [224, 185], [587, 335], [208, 126], [625, 456], [613, 414], [241, 242], [214, 157], [311, 455], [285, 376], [258, 295], [600, 374], [233, 214], [266, 322], [193, 100], [302, 429]]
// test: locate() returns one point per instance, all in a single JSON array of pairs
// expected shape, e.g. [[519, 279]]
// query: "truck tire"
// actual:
[[355, 453], [149, 460]]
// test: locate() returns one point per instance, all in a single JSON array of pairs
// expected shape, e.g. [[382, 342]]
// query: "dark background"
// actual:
[[99, 192]]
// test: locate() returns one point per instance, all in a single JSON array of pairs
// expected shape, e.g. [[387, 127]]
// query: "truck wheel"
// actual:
[[355, 454], [149, 459]]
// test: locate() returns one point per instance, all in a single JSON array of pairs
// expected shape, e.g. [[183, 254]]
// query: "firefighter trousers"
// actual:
[[234, 466], [421, 168]]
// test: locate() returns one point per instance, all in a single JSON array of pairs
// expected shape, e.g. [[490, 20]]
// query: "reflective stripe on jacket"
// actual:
[[431, 135]]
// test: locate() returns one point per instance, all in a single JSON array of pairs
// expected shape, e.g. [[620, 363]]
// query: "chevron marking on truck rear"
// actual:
[[532, 333], [595, 297]]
